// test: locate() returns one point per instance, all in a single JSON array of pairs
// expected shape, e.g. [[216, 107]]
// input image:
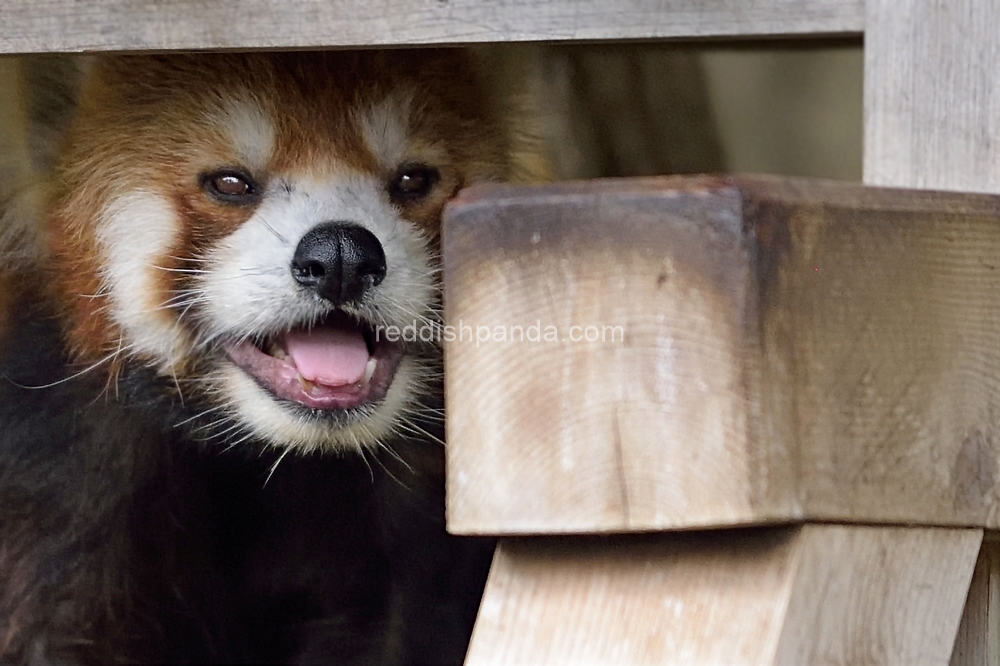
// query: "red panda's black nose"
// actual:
[[340, 261]]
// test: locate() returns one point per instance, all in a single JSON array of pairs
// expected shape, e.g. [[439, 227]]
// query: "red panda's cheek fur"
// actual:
[[92, 296], [204, 223], [150, 123], [110, 158], [75, 283], [86, 297]]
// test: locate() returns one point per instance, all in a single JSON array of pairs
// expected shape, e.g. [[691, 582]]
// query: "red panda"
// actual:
[[208, 452]]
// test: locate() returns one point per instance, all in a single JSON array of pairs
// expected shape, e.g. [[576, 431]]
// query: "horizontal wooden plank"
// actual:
[[785, 350], [29, 26], [818, 594]]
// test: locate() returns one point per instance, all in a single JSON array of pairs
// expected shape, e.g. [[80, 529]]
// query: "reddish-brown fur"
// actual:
[[149, 524], [135, 102]]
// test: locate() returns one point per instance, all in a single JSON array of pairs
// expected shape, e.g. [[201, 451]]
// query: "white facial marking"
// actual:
[[255, 407], [246, 288], [385, 130], [250, 132], [250, 289], [135, 233]]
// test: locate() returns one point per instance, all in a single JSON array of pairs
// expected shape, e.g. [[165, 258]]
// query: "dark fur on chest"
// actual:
[[124, 539]]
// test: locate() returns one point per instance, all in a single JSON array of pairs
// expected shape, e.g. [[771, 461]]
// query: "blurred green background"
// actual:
[[780, 107]]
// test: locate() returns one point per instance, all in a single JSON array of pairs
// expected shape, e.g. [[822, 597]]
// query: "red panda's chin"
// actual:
[[285, 377]]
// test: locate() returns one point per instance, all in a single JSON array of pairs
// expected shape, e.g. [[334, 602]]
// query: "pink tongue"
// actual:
[[334, 356]]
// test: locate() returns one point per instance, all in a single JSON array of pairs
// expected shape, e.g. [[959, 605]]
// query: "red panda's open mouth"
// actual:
[[334, 365]]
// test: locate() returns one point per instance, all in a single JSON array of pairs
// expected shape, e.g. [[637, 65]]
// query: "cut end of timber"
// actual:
[[633, 355]]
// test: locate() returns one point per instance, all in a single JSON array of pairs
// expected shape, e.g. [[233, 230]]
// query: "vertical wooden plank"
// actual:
[[932, 120], [877, 595], [932, 94], [978, 639]]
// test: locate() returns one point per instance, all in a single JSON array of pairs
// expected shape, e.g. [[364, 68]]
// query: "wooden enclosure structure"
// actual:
[[723, 353], [852, 408]]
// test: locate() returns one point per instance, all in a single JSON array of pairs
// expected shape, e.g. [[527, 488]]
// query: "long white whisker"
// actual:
[[275, 465], [371, 473], [413, 428], [238, 442], [271, 228], [199, 415]]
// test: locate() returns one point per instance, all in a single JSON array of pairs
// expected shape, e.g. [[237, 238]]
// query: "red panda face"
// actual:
[[250, 225]]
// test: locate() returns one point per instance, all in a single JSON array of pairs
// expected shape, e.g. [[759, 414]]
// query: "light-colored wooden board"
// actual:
[[978, 639], [865, 595], [818, 594], [932, 118], [641, 429], [791, 350], [28, 26], [708, 598], [932, 113]]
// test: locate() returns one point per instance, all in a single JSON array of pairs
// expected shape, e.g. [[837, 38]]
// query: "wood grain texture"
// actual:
[[867, 595], [932, 115], [637, 430], [932, 118], [66, 25], [978, 639], [783, 596], [793, 350]]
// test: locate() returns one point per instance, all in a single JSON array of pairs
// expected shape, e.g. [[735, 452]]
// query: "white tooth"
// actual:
[[369, 371], [275, 350]]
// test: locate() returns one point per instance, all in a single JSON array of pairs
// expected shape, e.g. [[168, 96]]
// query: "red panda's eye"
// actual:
[[229, 186], [413, 182]]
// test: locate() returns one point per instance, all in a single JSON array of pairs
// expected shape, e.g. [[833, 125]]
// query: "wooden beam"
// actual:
[[785, 350], [30, 26], [783, 596]]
